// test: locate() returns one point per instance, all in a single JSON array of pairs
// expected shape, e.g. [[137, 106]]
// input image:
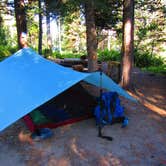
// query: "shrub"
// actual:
[[156, 69], [145, 59], [4, 52], [47, 52], [56, 54], [106, 55], [67, 55], [12, 50]]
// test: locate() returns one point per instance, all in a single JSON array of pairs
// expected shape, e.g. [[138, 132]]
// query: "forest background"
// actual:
[[58, 29]]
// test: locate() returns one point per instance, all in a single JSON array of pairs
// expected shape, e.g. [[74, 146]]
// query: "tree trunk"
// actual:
[[20, 15], [49, 39], [91, 36], [128, 43], [40, 28], [59, 35], [109, 40]]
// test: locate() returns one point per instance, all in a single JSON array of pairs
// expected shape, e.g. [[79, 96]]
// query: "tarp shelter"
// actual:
[[72, 105], [27, 80]]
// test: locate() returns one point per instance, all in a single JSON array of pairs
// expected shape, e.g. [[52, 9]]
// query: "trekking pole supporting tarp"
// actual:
[[100, 126]]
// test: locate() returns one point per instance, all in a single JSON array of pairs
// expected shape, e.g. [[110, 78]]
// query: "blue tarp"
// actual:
[[27, 80]]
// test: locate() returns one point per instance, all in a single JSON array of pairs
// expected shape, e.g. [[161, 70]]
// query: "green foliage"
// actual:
[[6, 41], [57, 54], [145, 59], [149, 26], [150, 38], [156, 69], [70, 55], [107, 13], [6, 51], [103, 55], [3, 53], [74, 36], [12, 50], [106, 55], [32, 24], [47, 52], [3, 37], [7, 38]]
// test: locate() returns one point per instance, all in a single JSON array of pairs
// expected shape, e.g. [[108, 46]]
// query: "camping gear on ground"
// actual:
[[41, 134], [100, 134], [27, 80], [73, 105], [110, 111]]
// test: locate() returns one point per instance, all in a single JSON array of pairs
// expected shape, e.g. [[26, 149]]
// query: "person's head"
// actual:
[[23, 40]]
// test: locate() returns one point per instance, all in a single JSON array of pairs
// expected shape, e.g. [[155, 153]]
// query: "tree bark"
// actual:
[[128, 43], [59, 34], [91, 36], [20, 15], [49, 39], [40, 29]]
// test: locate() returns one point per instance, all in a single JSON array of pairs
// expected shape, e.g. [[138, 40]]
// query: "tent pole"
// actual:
[[101, 105]]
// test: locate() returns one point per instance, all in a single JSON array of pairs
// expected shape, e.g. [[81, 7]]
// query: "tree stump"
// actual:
[[112, 69]]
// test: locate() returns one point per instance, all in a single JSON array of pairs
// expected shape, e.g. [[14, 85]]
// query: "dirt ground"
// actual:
[[141, 143]]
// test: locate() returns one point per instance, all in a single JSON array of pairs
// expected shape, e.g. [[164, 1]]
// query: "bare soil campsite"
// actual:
[[141, 143]]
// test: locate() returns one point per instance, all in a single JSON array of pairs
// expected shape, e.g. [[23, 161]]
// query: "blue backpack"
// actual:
[[109, 110]]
